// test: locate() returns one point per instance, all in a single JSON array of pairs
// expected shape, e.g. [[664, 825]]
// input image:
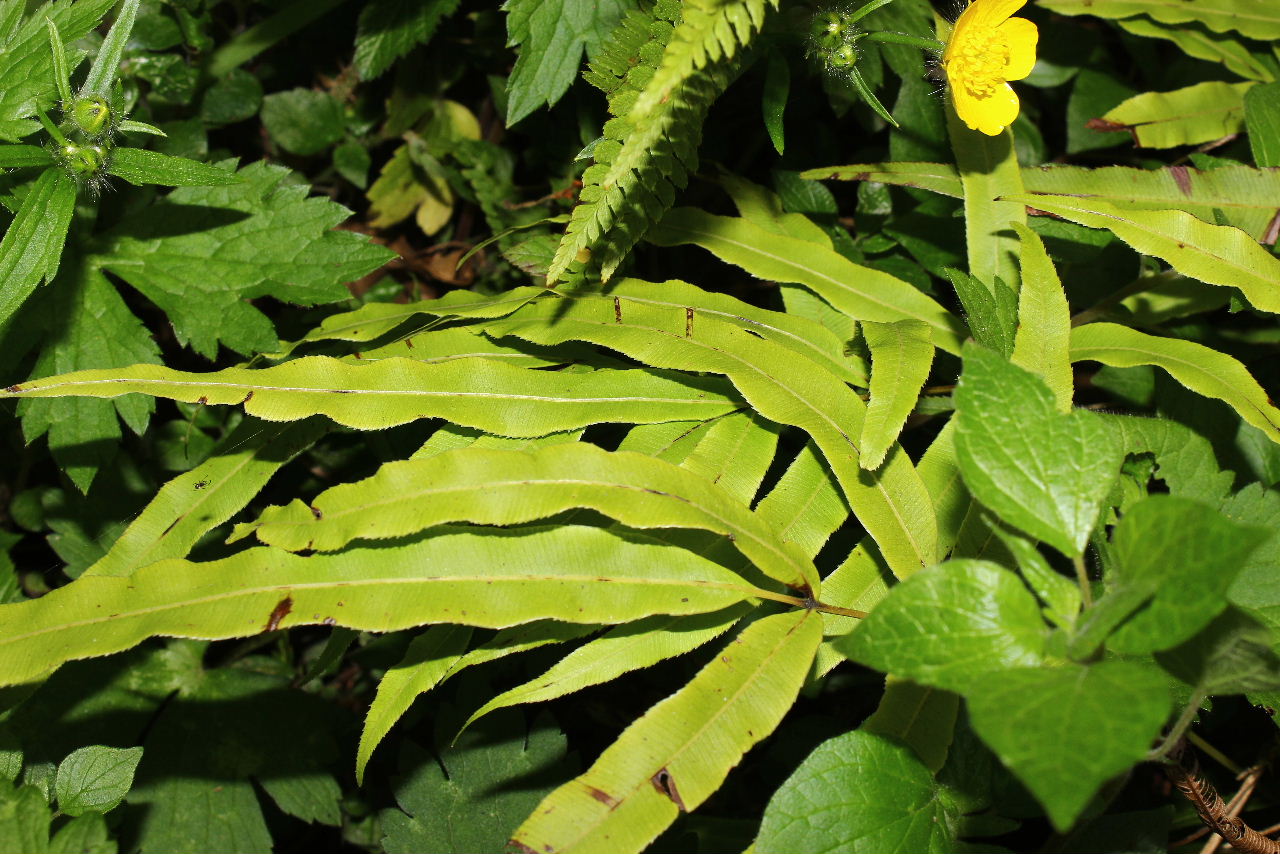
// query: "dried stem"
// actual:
[[1184, 771]]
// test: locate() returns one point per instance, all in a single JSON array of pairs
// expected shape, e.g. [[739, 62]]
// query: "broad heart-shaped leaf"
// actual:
[[1257, 588], [780, 384], [1182, 554], [480, 393], [859, 291], [1234, 654], [952, 622], [200, 252], [1064, 731], [478, 790], [901, 355], [509, 487], [1202, 369], [676, 755], [489, 578], [1215, 254], [859, 793], [1042, 471], [95, 778]]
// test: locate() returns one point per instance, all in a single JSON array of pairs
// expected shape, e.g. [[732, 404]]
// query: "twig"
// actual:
[[1184, 771], [1235, 806]]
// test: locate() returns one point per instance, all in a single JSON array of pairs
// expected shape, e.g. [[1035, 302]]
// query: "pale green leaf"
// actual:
[[806, 505], [901, 356], [473, 577], [735, 454], [480, 393], [919, 716], [620, 650], [1258, 19], [1245, 195], [1042, 471], [1201, 113], [1064, 731], [989, 175], [832, 804], [950, 623], [1204, 44], [860, 292], [1218, 255], [1042, 342], [375, 319], [676, 755], [780, 384], [424, 665], [1202, 369], [197, 501], [508, 487], [1262, 116]]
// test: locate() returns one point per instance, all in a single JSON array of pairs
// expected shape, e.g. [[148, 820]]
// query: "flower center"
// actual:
[[981, 60]]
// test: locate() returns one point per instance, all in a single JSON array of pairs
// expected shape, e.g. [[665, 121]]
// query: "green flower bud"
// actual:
[[84, 161], [91, 115]]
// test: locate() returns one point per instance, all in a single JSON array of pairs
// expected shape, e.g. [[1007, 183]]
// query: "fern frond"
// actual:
[[662, 71]]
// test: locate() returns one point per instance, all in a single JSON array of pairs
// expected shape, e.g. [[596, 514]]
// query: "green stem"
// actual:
[[1214, 753], [52, 129], [866, 10], [258, 38], [910, 41], [1082, 576], [1176, 731]]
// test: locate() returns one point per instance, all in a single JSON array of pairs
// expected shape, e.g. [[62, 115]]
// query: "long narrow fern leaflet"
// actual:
[[891, 503], [485, 578], [480, 393], [508, 487], [678, 753]]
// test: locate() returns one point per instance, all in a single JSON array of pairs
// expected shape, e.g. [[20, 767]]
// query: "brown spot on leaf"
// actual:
[[666, 784], [13, 389], [1272, 234], [315, 511], [617, 310], [688, 322], [202, 400], [248, 397], [281, 610], [408, 342], [1182, 178], [603, 797]]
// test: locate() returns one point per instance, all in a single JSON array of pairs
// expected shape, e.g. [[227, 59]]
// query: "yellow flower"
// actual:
[[987, 49]]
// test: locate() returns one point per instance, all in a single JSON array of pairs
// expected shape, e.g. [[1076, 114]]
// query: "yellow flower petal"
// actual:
[[990, 115], [988, 13], [1023, 37]]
